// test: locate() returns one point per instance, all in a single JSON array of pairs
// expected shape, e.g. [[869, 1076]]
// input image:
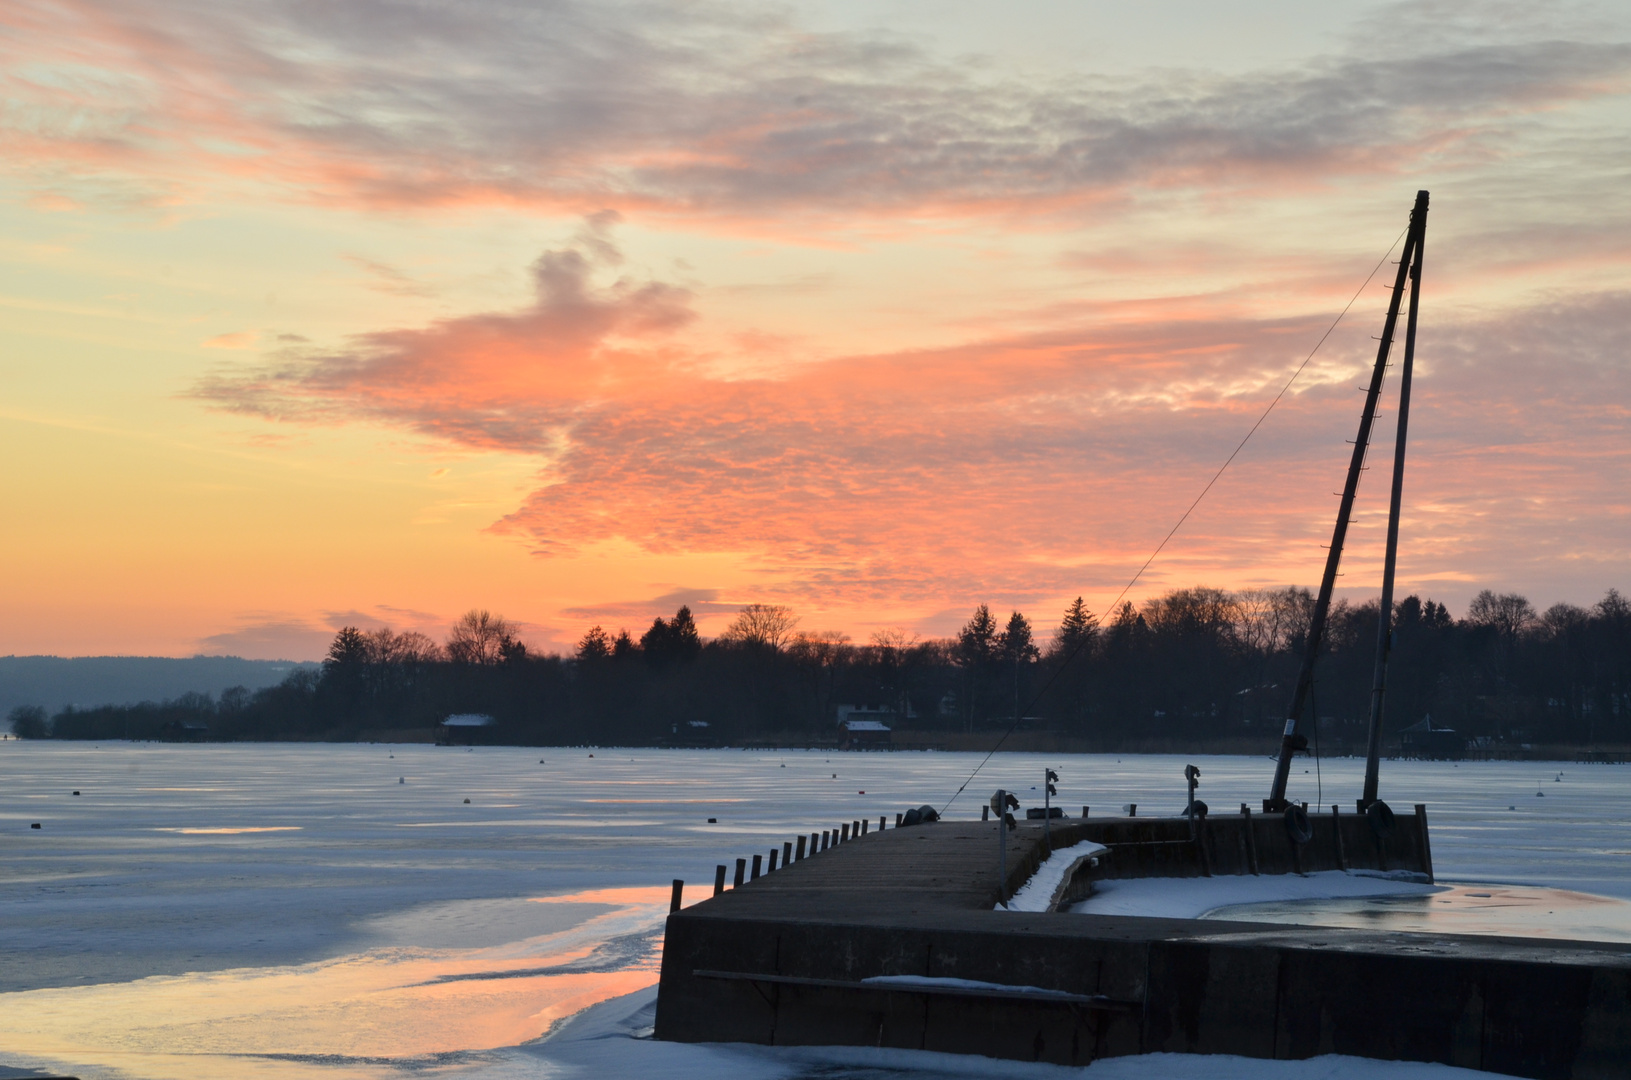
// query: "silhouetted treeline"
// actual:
[[1193, 667]]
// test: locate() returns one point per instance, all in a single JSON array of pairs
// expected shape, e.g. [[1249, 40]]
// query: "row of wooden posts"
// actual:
[[793, 851], [790, 852]]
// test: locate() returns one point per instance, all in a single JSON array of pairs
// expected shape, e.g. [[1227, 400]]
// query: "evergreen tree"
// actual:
[[687, 643], [595, 645], [1076, 628]]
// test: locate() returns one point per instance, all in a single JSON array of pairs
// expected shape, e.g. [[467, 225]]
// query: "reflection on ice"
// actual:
[[232, 830], [432, 998]]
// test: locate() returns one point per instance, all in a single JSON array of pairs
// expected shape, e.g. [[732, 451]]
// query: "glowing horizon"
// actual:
[[375, 314]]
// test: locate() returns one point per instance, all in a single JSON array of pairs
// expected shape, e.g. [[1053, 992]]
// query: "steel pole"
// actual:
[[1316, 629], [1384, 623]]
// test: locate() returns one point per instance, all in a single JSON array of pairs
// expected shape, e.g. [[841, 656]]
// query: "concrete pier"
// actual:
[[795, 958]]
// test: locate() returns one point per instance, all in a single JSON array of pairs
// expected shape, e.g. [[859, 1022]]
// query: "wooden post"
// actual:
[[798, 853], [1426, 849], [985, 813], [719, 879], [1002, 861], [865, 822], [741, 870], [770, 867], [674, 900], [758, 861], [826, 839], [815, 843], [787, 854], [881, 820], [1336, 831], [898, 818], [1084, 813], [1251, 837], [856, 829], [844, 833]]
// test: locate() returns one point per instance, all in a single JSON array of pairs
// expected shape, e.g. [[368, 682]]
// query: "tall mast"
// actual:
[[1289, 741], [1384, 622]]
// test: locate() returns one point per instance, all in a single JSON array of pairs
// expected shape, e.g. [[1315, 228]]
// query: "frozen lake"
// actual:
[[341, 911]]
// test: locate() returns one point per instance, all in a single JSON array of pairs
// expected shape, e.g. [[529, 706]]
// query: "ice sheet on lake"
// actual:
[[1194, 898], [293, 910]]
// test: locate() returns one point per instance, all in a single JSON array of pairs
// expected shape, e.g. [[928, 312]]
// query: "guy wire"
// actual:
[[1070, 657]]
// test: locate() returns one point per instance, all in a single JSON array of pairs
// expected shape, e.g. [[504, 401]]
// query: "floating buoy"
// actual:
[[1540, 794], [835, 776], [860, 793], [467, 802], [402, 779], [76, 793], [1512, 808], [34, 825], [540, 761], [713, 821], [591, 755]]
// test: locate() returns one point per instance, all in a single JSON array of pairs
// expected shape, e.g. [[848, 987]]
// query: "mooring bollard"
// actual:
[[674, 901], [798, 852], [770, 867], [719, 879], [787, 854], [741, 869], [758, 861]]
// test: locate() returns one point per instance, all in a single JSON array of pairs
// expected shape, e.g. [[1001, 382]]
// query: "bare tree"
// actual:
[[480, 637], [769, 625], [412, 647], [409, 647], [1508, 614]]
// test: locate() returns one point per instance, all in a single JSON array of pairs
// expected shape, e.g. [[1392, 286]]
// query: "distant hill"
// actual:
[[55, 681]]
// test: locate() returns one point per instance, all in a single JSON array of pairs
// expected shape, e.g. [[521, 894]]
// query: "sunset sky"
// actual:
[[316, 313]]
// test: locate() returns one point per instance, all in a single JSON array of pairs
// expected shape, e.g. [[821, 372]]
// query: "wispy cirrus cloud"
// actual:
[[1025, 465], [714, 110]]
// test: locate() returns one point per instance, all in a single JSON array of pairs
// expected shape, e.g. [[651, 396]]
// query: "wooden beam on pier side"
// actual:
[[786, 960]]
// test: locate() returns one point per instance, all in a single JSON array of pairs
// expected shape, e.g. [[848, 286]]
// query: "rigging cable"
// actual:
[[1085, 638]]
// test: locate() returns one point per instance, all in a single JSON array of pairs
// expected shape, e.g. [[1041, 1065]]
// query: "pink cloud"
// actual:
[[241, 339], [1021, 466]]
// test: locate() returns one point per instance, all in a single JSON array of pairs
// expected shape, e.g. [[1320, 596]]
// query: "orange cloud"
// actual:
[[1023, 467], [241, 339]]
